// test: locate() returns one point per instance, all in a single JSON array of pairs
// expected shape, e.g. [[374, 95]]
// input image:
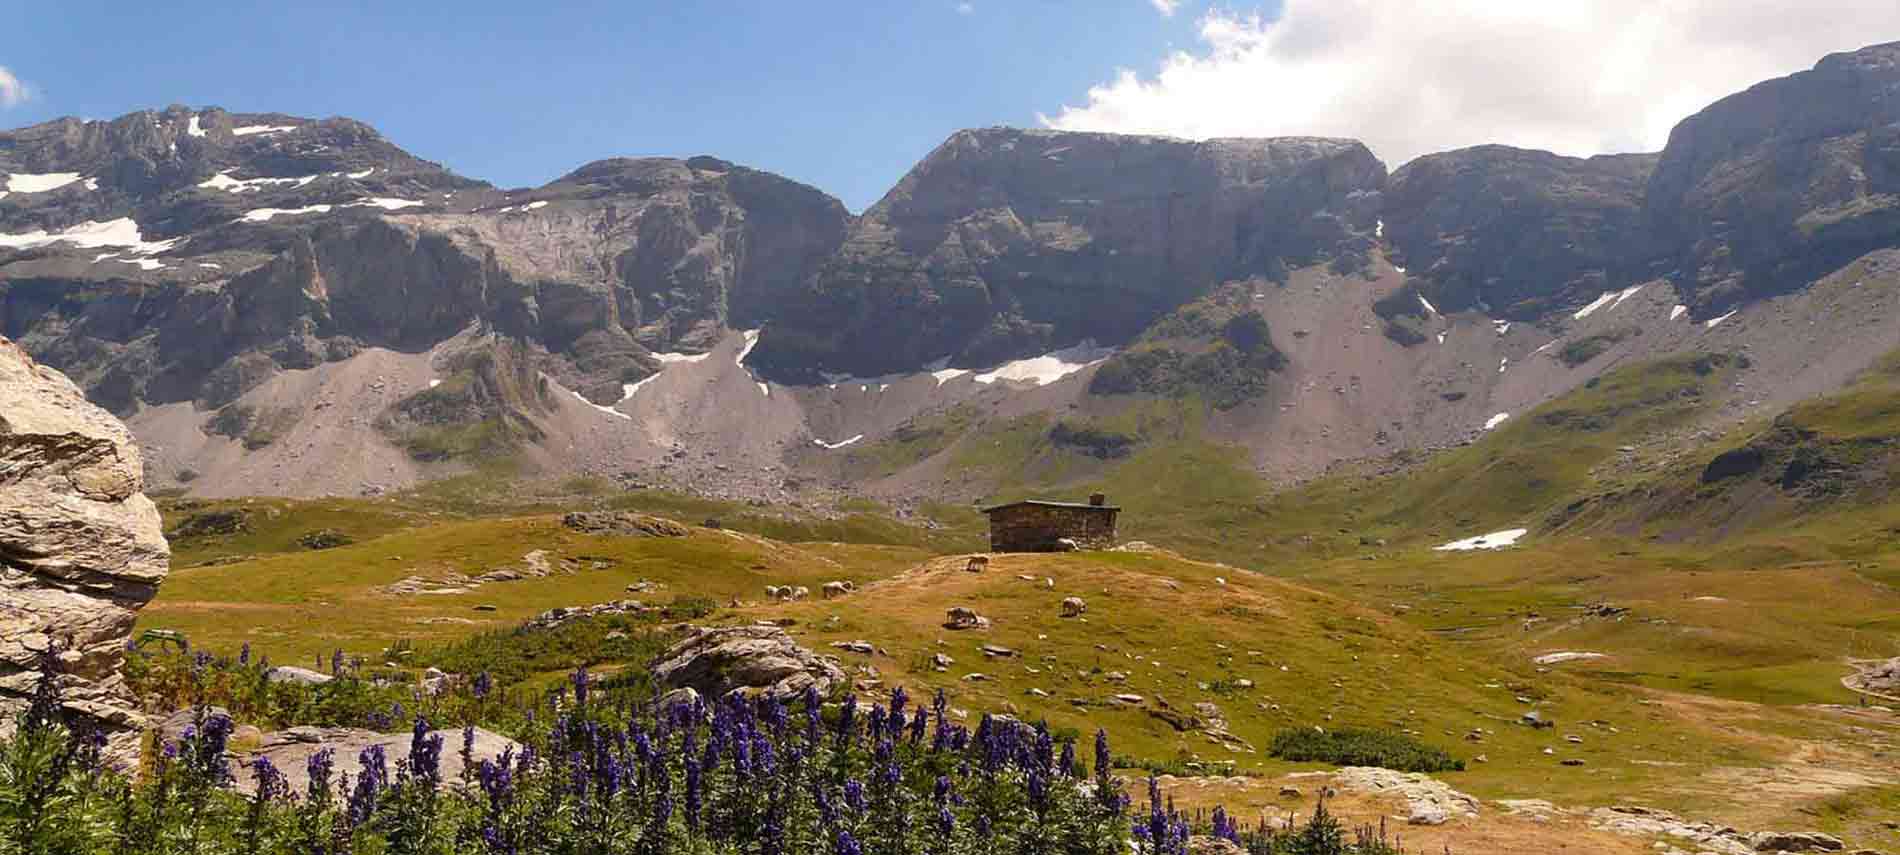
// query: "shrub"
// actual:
[[1362, 747]]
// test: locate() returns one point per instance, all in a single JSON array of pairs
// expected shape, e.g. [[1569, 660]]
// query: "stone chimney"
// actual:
[[1098, 499]]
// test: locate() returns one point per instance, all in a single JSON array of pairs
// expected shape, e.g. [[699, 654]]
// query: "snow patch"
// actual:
[[146, 263], [945, 375], [1503, 363], [24, 182], [249, 130], [1625, 294], [1427, 304], [1566, 656], [434, 383], [1378, 228], [209, 266], [122, 232], [680, 357], [608, 410], [387, 204], [1049, 367], [837, 445], [1677, 312], [627, 389], [1494, 540], [263, 214], [1546, 346], [194, 128], [534, 206], [1502, 327], [1607, 298], [361, 175], [1398, 268], [1710, 323], [751, 341], [1496, 420], [224, 181], [1441, 338], [763, 389]]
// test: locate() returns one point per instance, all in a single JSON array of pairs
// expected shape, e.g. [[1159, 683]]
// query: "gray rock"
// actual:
[[290, 752], [84, 549], [1795, 841], [754, 659], [294, 674]]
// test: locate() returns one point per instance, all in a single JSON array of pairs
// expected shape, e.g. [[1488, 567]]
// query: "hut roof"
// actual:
[[1079, 506]]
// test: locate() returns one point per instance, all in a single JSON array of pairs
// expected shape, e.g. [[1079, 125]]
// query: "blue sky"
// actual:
[[842, 95], [848, 95]]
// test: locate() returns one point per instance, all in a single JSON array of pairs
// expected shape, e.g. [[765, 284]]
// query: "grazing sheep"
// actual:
[[834, 590], [964, 618], [978, 564], [1074, 607], [774, 592], [801, 593]]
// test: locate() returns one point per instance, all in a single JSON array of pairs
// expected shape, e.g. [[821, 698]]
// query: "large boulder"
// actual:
[[760, 660], [81, 548]]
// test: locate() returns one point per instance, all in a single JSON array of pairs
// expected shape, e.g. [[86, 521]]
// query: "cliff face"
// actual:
[[80, 547], [1767, 189], [1517, 233], [1005, 243]]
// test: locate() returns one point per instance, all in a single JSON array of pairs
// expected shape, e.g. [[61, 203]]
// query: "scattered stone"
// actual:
[[1128, 699], [324, 539], [995, 651], [556, 616], [1074, 607], [1536, 720], [859, 646]]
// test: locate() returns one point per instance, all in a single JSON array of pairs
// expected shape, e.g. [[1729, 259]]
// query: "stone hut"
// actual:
[[1039, 526]]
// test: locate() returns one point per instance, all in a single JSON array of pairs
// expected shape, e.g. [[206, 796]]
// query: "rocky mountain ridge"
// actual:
[[229, 282]]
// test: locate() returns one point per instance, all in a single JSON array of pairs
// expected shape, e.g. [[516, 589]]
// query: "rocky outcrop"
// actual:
[[1006, 242], [290, 751], [623, 523], [754, 659], [1428, 800], [1765, 190], [80, 547], [1516, 233]]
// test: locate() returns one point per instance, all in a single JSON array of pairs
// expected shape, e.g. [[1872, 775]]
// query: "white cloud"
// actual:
[[1166, 7], [965, 8], [1415, 78], [13, 90]]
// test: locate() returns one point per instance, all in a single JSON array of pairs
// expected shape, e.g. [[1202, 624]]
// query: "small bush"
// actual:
[[1359, 747]]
